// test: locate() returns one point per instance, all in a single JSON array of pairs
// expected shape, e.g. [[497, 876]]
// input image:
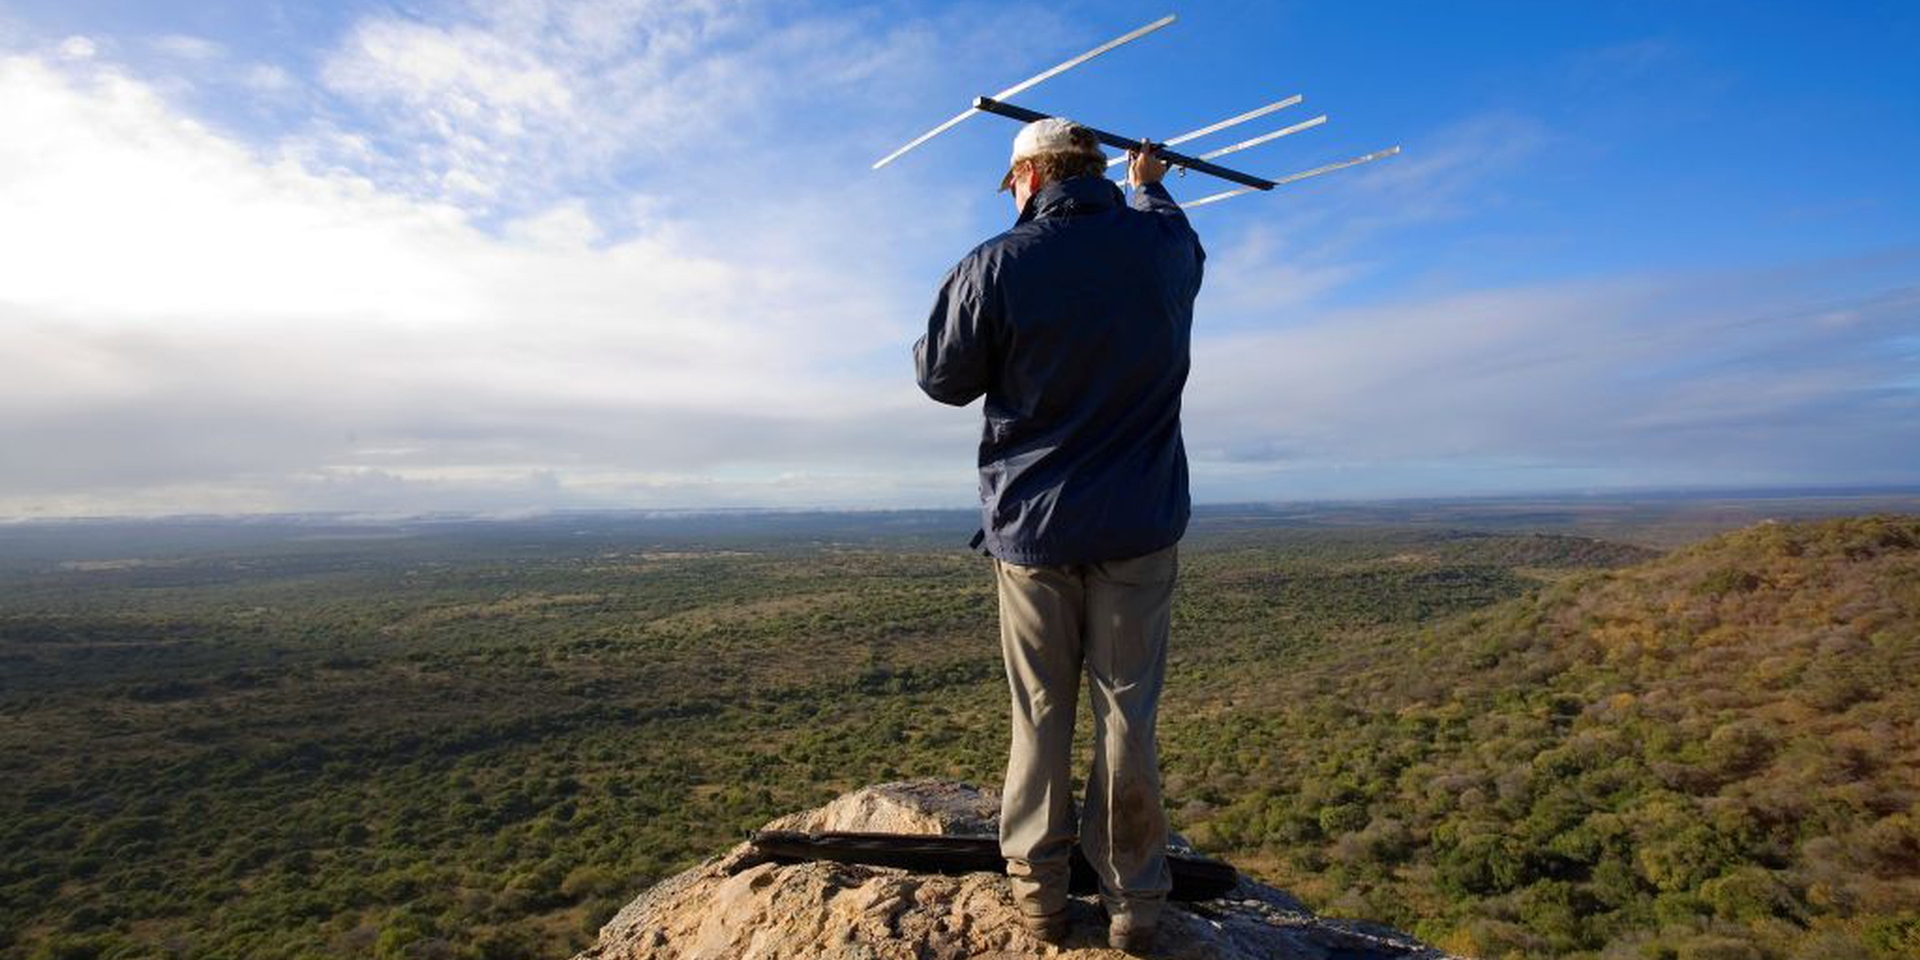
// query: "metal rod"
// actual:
[[1222, 125], [923, 138], [1302, 175], [990, 105], [1263, 138], [1128, 37], [1125, 38], [1254, 142]]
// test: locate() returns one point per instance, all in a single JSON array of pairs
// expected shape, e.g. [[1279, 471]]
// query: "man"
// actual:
[[1074, 324]]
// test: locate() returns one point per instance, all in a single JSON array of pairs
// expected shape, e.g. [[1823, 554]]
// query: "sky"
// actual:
[[507, 256]]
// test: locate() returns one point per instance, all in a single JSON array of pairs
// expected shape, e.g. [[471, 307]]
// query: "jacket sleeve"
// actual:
[[1154, 198], [954, 361]]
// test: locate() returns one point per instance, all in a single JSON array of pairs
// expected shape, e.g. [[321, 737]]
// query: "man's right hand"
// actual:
[[1144, 165]]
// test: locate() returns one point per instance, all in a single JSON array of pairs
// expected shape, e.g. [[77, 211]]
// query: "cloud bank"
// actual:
[[498, 272]]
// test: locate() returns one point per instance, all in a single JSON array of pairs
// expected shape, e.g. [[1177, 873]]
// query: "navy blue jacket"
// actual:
[[1074, 324]]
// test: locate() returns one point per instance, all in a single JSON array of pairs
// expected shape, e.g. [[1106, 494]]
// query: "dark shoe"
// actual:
[[1047, 928], [1127, 938]]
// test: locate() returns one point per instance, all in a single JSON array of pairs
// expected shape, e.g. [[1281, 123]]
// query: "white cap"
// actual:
[[1051, 135]]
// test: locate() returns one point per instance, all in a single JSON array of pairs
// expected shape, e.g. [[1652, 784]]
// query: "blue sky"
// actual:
[[520, 255]]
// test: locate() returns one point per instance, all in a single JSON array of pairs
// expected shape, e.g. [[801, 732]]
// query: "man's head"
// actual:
[[1047, 150]]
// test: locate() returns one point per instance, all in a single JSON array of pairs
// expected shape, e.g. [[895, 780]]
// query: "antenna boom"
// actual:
[[990, 105]]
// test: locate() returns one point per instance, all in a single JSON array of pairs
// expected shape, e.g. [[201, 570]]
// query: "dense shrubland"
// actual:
[[1509, 744], [1713, 755]]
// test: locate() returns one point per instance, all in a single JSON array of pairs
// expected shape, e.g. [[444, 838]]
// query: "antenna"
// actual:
[[1200, 163]]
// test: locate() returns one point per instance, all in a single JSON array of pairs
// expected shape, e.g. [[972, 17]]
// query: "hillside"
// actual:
[[478, 740], [1714, 754]]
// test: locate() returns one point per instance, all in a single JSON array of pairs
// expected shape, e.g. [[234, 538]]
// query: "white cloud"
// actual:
[[1632, 376], [267, 79], [517, 100], [186, 47], [458, 79], [542, 254], [205, 320], [78, 48], [114, 207]]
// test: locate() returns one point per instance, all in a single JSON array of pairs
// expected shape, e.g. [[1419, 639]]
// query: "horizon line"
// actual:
[[505, 515]]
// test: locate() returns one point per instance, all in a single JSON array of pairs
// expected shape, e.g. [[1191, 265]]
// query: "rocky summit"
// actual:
[[736, 906]]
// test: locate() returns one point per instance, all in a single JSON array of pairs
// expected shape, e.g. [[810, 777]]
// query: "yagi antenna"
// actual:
[[1200, 163]]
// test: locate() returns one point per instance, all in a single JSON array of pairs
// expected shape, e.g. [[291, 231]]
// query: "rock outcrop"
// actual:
[[735, 907]]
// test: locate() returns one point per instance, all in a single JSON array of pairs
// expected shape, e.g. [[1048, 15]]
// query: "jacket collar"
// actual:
[[1072, 197]]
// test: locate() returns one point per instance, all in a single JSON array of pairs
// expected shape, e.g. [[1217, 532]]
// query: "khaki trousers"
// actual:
[[1109, 620]]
